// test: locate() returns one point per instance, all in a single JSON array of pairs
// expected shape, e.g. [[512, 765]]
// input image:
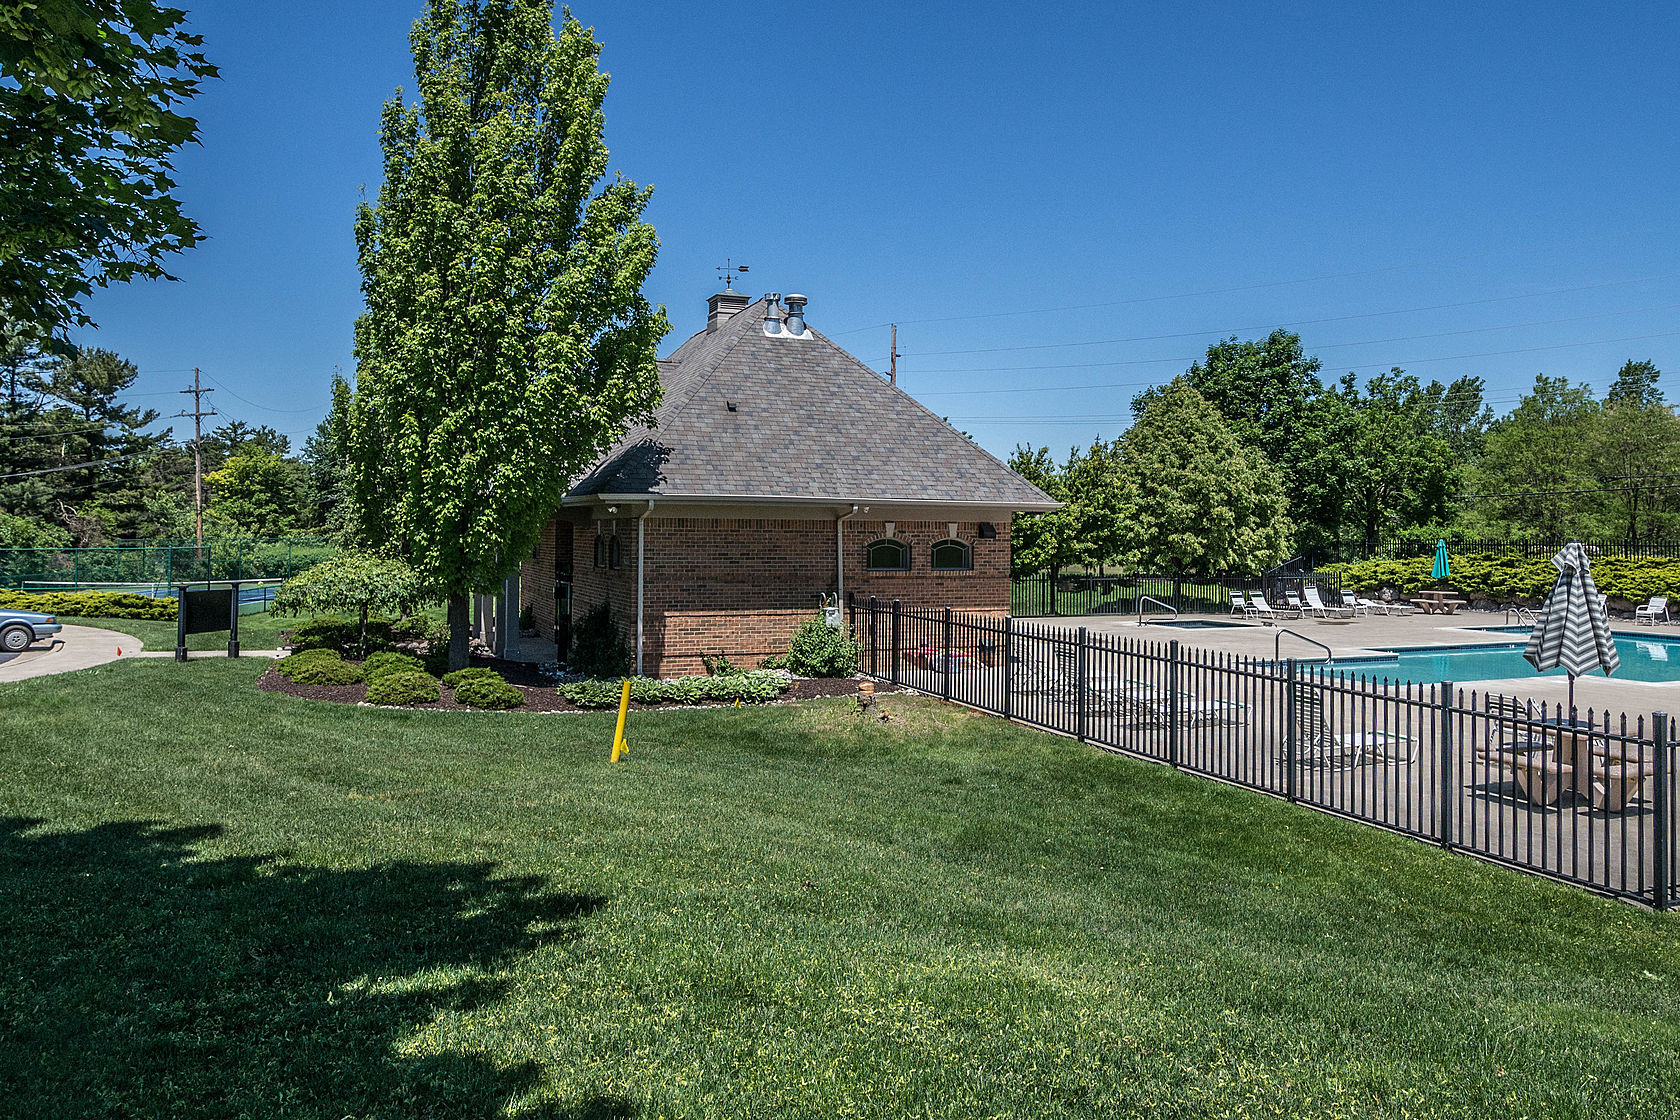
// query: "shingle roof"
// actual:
[[809, 421]]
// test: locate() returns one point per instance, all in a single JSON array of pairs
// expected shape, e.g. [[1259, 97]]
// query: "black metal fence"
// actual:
[[1043, 595], [1586, 799], [161, 563]]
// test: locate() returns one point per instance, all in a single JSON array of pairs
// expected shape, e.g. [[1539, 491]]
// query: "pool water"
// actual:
[[1198, 624], [1643, 659]]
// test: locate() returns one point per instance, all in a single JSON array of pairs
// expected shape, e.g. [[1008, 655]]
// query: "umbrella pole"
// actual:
[[1571, 696]]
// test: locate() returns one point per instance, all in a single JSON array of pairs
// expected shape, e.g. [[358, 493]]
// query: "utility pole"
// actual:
[[198, 413], [892, 374]]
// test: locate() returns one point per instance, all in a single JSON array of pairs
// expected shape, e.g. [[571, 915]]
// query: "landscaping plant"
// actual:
[[403, 687], [489, 691], [356, 582], [821, 650], [318, 666], [598, 649], [386, 662], [92, 604]]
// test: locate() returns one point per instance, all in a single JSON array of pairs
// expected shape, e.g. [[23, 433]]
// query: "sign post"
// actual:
[[204, 612]]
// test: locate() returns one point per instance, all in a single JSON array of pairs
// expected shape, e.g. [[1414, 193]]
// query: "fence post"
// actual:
[[1449, 767], [945, 655], [1079, 691], [1172, 703], [896, 618], [1008, 651], [1662, 881], [1289, 779]]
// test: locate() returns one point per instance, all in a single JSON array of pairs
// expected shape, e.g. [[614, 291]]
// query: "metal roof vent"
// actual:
[[795, 315], [772, 322]]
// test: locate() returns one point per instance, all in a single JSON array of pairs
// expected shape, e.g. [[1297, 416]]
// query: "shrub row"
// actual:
[[91, 604], [1632, 579], [400, 686], [755, 687], [318, 666]]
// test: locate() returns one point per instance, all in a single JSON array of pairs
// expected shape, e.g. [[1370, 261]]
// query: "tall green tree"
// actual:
[[1396, 468], [1636, 445], [1198, 499], [91, 93], [1269, 392], [1536, 457], [326, 457], [506, 342]]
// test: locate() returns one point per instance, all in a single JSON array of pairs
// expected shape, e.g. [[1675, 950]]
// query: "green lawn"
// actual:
[[215, 902]]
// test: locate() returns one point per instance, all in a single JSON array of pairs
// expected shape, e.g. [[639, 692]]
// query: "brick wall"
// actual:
[[742, 586]]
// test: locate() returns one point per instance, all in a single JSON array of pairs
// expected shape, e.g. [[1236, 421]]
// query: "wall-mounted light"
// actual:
[[988, 531]]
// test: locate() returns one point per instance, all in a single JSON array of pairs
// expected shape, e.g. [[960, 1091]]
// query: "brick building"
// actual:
[[779, 470]]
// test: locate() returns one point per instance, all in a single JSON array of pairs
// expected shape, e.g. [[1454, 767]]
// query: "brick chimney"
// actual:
[[723, 305]]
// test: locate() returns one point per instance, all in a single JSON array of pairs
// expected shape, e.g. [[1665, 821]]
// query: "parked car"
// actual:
[[21, 629]]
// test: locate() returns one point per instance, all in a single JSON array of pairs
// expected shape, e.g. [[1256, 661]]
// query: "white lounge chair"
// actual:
[[1266, 610], [1317, 606], [1354, 604], [1240, 606], [1319, 746], [1400, 609], [1653, 612]]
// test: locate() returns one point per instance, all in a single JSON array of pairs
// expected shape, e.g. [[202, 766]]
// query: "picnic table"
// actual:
[[1436, 602], [1605, 771]]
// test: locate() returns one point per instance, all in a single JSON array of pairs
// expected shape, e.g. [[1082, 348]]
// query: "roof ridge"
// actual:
[[723, 351]]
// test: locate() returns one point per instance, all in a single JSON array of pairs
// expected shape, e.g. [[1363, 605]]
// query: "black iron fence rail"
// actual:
[[1044, 595], [1584, 799], [1470, 546]]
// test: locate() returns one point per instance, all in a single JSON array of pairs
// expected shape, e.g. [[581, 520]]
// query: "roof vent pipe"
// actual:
[[795, 315], [772, 322]]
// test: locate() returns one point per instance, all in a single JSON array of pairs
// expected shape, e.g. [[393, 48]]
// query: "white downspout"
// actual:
[[641, 565], [840, 555]]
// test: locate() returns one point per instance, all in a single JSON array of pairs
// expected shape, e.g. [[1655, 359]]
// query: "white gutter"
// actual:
[[641, 562], [840, 554]]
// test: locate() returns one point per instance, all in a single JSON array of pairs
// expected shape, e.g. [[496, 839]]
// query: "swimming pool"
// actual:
[[1651, 659]]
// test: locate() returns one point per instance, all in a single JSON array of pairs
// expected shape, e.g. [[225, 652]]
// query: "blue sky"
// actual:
[[1058, 204]]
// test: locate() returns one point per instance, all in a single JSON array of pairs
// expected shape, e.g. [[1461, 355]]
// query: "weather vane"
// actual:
[[727, 271]]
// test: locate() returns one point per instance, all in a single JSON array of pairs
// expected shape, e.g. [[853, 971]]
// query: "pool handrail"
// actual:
[[1142, 599], [1277, 645]]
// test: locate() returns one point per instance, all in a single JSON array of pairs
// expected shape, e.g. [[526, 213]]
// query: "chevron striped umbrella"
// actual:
[[1573, 631]]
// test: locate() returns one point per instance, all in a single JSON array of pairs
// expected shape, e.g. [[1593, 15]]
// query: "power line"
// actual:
[[254, 404], [77, 466], [1404, 363], [197, 414], [1294, 323], [1063, 308]]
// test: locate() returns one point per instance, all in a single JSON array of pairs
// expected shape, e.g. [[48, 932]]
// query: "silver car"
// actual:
[[21, 629]]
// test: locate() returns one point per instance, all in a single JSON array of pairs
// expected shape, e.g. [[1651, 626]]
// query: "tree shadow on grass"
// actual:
[[139, 980]]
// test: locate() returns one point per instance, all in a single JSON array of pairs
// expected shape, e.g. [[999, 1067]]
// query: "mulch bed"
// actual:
[[538, 698]]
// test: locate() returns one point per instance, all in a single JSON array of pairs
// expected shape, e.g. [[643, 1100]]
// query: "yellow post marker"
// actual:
[[620, 747]]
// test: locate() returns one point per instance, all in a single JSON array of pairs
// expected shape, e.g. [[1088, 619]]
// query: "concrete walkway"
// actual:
[[74, 647]]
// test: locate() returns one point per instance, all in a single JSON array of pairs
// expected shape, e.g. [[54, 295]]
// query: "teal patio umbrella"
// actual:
[[1441, 570], [1573, 630]]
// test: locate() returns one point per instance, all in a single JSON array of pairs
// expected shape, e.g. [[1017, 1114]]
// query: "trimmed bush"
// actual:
[[92, 604], [319, 666], [341, 634], [473, 672], [488, 692], [390, 661], [821, 650], [402, 687]]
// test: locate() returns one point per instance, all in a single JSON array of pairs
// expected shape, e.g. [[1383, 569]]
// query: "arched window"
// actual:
[[600, 551], [887, 555], [951, 556], [615, 552]]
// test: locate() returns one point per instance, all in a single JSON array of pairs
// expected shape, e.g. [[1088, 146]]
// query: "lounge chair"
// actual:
[[1295, 603], [1266, 610], [1316, 605], [1320, 746], [1354, 604], [1652, 612], [1400, 609], [1240, 606]]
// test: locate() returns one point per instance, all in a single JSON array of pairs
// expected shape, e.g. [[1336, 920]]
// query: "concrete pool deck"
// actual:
[[1371, 634]]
